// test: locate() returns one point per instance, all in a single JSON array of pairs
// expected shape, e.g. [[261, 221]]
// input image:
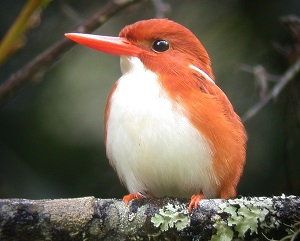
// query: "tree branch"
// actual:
[[277, 89], [292, 54], [46, 59], [90, 218], [12, 39]]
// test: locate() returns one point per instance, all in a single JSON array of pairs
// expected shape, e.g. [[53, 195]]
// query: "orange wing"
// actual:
[[210, 111]]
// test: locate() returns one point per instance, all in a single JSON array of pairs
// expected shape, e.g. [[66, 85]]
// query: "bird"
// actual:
[[169, 130]]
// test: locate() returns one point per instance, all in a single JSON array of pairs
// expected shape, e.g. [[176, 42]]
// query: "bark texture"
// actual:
[[90, 218]]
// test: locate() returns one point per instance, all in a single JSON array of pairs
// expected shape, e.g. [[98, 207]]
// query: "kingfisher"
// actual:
[[169, 129]]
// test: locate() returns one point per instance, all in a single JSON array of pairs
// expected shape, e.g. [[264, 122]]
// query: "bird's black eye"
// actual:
[[160, 45]]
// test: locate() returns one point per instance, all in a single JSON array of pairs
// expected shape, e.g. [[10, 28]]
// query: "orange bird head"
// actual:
[[169, 129]]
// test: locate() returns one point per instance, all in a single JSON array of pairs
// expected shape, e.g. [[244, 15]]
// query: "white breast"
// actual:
[[153, 147]]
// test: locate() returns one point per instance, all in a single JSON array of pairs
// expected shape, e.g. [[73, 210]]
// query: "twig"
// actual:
[[12, 37], [282, 82], [259, 72], [261, 78], [69, 11], [46, 59]]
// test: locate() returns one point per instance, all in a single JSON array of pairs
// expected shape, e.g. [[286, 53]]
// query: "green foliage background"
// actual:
[[51, 134]]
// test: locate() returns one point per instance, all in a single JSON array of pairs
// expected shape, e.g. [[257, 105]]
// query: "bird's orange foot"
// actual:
[[195, 199], [131, 196]]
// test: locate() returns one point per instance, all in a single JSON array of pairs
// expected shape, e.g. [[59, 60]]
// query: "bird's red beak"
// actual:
[[111, 45]]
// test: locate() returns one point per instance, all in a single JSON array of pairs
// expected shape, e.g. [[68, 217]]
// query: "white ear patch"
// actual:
[[205, 75]]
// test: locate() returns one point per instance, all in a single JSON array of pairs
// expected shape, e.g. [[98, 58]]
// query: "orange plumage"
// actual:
[[169, 129]]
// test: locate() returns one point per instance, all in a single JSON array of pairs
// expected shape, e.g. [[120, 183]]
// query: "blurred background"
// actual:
[[51, 133]]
